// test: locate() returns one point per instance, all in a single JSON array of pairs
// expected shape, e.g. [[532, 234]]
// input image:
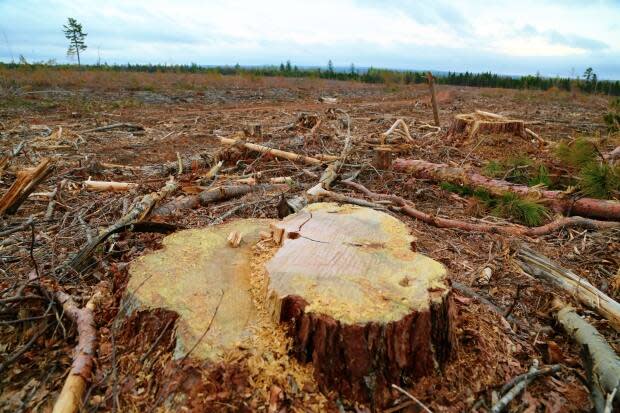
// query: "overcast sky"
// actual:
[[553, 37]]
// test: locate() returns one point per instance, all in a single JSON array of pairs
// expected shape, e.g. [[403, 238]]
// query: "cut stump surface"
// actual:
[[365, 308], [190, 274]]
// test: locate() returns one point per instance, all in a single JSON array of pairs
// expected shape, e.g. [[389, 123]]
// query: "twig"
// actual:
[[530, 376], [412, 397], [13, 357], [206, 330], [515, 390]]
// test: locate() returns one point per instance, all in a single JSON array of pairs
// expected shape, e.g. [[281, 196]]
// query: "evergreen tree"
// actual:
[[75, 35], [330, 66]]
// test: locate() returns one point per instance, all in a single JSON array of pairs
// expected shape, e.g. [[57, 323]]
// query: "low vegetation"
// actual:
[[528, 212]]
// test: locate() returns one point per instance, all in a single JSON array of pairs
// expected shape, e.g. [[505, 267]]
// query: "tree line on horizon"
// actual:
[[588, 83]]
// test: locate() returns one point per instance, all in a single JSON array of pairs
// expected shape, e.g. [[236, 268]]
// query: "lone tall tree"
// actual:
[[75, 35]]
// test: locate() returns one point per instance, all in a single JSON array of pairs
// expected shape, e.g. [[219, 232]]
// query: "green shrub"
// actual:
[[599, 180], [578, 153], [612, 118]]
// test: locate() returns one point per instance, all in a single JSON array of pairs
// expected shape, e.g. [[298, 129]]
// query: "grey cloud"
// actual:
[[571, 40]]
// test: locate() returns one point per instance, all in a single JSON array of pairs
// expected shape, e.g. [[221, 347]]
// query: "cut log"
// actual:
[[358, 302], [559, 201], [471, 124], [26, 181], [605, 362], [111, 186], [539, 266]]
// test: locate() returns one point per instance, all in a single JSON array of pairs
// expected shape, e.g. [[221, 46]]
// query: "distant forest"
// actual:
[[587, 83]]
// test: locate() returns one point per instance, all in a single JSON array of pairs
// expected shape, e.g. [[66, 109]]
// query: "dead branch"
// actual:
[[70, 398], [517, 230], [211, 195], [516, 390], [404, 128], [539, 266], [131, 127], [275, 152], [111, 186], [587, 207], [605, 362], [27, 180], [136, 214]]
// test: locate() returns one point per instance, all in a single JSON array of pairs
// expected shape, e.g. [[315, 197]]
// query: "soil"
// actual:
[[177, 122]]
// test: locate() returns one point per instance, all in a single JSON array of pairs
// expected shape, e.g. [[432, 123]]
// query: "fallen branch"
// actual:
[[517, 230], [587, 207], [27, 180], [111, 186], [209, 196], [516, 390], [70, 398], [275, 152], [605, 362], [541, 267], [129, 126], [136, 214]]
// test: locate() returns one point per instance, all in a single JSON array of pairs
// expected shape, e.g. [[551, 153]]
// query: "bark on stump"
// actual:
[[359, 303]]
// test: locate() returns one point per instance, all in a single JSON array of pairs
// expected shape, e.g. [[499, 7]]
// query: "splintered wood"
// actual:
[[353, 297]]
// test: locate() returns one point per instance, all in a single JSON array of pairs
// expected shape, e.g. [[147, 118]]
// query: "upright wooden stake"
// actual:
[[431, 85]]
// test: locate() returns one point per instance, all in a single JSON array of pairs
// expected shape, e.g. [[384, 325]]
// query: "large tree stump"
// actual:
[[359, 302], [206, 282], [471, 124]]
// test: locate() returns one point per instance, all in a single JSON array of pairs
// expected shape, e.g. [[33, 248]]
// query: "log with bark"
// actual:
[[539, 266], [605, 363], [404, 206], [358, 302], [26, 181], [557, 200]]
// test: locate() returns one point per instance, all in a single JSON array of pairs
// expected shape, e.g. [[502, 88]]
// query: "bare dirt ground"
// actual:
[[183, 123]]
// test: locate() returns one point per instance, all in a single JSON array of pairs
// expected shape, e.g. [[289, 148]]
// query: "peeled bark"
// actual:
[[540, 266], [359, 304], [557, 200]]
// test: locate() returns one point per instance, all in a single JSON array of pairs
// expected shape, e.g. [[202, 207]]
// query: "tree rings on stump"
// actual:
[[358, 301], [206, 282]]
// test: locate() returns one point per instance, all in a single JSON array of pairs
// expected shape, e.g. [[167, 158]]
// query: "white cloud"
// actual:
[[472, 35]]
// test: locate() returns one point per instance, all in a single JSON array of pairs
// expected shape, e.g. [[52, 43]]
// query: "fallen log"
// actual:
[[558, 200], [516, 230], [275, 152], [26, 181], [605, 362], [541, 267], [140, 211], [209, 196], [70, 398]]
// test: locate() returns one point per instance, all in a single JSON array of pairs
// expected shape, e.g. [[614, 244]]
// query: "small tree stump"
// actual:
[[383, 157], [359, 303]]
